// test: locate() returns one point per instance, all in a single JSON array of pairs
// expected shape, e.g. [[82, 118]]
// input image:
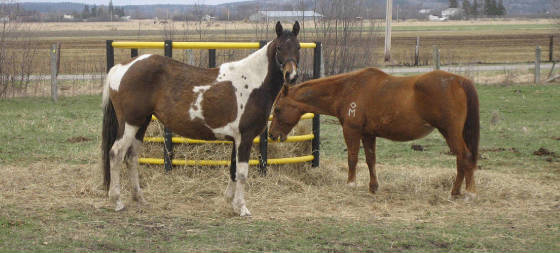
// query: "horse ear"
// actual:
[[279, 29], [295, 30]]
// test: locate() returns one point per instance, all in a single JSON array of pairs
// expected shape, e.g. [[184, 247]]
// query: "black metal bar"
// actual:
[[167, 135], [316, 142], [211, 58], [133, 52], [110, 52], [263, 144]]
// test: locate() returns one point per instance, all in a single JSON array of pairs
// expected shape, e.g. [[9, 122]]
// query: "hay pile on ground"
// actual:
[[406, 193]]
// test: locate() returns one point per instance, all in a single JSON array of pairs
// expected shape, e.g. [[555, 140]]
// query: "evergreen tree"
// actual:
[[474, 8], [490, 8], [111, 9], [93, 11], [453, 4], [500, 8], [85, 12], [467, 8]]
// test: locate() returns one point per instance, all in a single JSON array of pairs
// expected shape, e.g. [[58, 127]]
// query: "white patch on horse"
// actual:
[[352, 109], [245, 75], [239, 198], [294, 73], [195, 111], [118, 71]]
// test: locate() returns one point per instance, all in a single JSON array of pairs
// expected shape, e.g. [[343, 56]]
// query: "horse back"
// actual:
[[154, 84], [440, 98]]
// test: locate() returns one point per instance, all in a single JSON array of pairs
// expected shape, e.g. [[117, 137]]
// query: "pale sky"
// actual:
[[136, 2]]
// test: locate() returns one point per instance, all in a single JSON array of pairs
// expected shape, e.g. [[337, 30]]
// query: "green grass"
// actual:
[[35, 130], [103, 230]]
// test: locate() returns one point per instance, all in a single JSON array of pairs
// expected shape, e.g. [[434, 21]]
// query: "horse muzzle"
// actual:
[[278, 137], [290, 71]]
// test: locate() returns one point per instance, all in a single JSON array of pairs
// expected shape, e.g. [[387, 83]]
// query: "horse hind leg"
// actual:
[[132, 164], [369, 150], [230, 190], [465, 165], [131, 160], [117, 155]]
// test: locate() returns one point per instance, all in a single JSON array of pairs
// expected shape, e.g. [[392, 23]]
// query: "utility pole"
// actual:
[[388, 19]]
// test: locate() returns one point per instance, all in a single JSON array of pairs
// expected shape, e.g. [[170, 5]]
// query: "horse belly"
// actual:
[[404, 130], [195, 129]]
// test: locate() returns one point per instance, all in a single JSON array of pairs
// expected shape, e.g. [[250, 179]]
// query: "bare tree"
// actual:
[[347, 32], [17, 52]]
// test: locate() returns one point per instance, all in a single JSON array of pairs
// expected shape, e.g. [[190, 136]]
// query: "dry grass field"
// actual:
[[460, 42]]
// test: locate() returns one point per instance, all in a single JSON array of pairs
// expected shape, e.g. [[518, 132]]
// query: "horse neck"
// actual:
[[274, 80], [317, 96], [257, 61]]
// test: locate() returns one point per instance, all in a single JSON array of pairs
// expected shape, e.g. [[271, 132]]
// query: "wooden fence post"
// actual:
[[436, 58], [55, 55], [388, 19], [551, 49], [538, 65], [417, 52]]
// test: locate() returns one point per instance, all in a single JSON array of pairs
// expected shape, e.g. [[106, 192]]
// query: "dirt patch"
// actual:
[[417, 147], [556, 138], [78, 139], [513, 150], [544, 152]]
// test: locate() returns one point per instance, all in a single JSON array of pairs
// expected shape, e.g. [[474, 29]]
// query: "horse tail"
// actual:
[[108, 134], [471, 129]]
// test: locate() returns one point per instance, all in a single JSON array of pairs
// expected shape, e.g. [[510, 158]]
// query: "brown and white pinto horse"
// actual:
[[230, 102], [370, 103]]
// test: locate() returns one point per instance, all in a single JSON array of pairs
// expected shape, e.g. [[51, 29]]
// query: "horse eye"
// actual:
[[276, 110]]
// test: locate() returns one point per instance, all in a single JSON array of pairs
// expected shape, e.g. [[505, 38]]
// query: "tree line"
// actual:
[[475, 8]]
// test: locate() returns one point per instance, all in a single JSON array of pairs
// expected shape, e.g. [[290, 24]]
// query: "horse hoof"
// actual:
[[119, 206], [244, 212], [470, 196], [351, 184], [373, 188]]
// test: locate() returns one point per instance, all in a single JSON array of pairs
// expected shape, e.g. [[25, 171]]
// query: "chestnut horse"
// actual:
[[370, 103], [231, 102]]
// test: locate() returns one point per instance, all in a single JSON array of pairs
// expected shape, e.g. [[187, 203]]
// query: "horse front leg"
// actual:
[[230, 190], [369, 150], [352, 139], [243, 154]]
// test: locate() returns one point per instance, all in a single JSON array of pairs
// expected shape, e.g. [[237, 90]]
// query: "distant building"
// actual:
[[284, 15], [125, 18], [208, 18], [425, 11], [67, 17], [451, 12], [446, 14], [436, 18]]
